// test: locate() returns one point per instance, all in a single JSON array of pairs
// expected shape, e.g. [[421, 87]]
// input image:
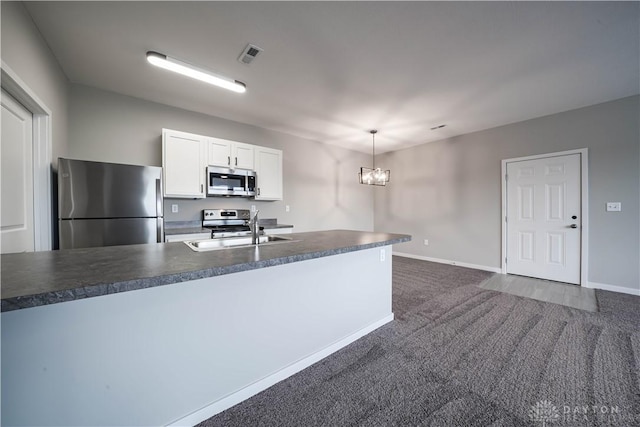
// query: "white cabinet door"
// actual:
[[268, 166], [231, 154], [242, 155], [183, 164], [219, 152]]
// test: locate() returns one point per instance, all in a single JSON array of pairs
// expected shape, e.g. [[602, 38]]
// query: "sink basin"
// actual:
[[233, 242]]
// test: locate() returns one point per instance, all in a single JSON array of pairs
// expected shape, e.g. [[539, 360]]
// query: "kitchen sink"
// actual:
[[234, 242]]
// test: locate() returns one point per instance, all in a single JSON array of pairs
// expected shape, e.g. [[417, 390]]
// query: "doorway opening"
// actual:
[[545, 216], [41, 138]]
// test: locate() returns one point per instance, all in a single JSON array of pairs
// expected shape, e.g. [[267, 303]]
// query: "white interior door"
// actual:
[[544, 218], [16, 153]]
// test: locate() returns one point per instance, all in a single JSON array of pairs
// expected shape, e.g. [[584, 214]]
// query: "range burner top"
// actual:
[[227, 222]]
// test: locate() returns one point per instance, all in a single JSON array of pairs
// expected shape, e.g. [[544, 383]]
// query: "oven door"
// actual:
[[226, 182]]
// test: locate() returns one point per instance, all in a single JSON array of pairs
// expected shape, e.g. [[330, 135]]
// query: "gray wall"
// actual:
[[27, 54], [449, 191], [320, 181]]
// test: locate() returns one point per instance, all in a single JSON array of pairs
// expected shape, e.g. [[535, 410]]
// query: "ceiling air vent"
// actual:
[[249, 54]]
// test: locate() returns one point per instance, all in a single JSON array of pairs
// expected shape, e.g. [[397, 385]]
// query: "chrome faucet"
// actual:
[[255, 229]]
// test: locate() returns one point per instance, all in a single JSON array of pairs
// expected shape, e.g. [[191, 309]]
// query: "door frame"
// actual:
[[41, 140], [584, 207]]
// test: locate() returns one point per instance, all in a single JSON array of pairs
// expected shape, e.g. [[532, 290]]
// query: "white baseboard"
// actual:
[[613, 288], [260, 385], [593, 285], [446, 261]]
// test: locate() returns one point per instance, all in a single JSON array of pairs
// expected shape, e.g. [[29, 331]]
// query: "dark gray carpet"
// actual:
[[458, 355]]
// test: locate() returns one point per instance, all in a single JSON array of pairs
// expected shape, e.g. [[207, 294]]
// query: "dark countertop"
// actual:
[[41, 278]]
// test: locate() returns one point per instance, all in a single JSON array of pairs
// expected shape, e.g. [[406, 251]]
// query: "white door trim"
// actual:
[[584, 188], [42, 203]]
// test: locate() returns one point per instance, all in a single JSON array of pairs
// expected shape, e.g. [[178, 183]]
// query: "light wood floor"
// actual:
[[543, 290]]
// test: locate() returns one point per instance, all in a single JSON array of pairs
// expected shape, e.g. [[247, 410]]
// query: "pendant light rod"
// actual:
[[373, 136]]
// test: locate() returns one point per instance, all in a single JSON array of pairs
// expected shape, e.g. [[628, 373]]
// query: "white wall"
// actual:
[[320, 180], [27, 54], [449, 191]]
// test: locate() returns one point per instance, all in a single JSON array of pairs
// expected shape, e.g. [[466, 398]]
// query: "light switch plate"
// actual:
[[614, 206]]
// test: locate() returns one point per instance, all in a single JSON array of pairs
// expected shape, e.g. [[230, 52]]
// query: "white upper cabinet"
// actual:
[[243, 154], [268, 166], [183, 164], [219, 152], [231, 154], [185, 157]]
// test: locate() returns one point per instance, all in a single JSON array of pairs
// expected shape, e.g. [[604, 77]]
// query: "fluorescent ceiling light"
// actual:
[[177, 66]]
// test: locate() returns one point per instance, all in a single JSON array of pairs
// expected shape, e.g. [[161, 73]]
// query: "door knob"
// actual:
[[573, 226]]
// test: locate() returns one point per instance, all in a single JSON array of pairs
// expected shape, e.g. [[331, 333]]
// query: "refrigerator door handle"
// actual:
[[160, 230], [159, 197]]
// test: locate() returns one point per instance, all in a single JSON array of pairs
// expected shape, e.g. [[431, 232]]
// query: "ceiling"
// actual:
[[331, 71]]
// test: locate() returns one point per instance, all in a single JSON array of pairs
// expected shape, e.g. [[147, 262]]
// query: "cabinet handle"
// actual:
[[258, 191], [229, 160], [236, 161], [201, 188]]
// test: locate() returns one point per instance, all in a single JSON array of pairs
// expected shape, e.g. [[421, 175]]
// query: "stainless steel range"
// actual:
[[227, 222]]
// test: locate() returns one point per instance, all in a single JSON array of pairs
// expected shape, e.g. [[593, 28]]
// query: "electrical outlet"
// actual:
[[174, 208], [253, 208], [383, 254], [426, 242], [287, 208], [614, 206]]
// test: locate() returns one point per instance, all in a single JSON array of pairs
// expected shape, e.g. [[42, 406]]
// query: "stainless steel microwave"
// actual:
[[230, 182]]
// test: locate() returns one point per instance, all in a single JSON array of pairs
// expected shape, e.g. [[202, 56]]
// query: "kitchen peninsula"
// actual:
[[159, 334]]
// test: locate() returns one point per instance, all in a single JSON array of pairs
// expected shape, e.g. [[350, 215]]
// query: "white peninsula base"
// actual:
[[180, 353]]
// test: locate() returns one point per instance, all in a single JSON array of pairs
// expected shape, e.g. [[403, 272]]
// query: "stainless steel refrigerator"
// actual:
[[108, 204]]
